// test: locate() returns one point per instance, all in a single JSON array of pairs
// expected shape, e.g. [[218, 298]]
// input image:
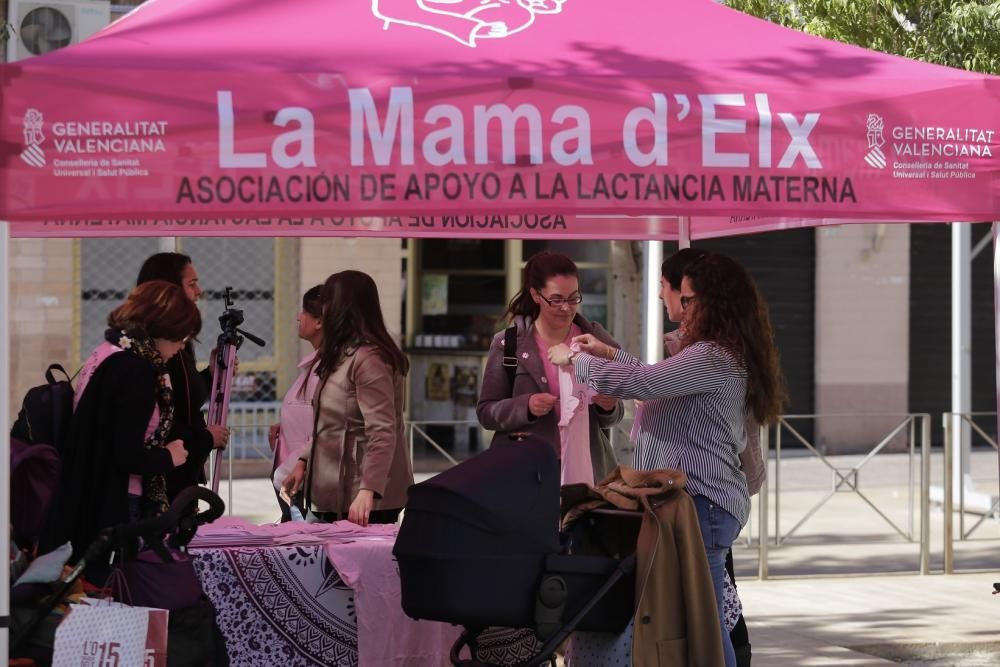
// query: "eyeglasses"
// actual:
[[685, 300], [559, 302]]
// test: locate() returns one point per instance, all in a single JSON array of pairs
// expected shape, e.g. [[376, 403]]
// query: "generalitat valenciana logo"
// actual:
[[33, 138], [876, 139], [465, 21]]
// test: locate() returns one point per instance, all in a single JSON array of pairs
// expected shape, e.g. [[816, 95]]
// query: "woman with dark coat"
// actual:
[[545, 314], [120, 446], [190, 388]]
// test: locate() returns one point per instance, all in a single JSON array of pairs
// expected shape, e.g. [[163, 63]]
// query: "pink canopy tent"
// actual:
[[508, 118], [503, 118]]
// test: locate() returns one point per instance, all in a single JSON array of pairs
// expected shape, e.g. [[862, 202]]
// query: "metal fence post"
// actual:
[[949, 447], [762, 506], [925, 495]]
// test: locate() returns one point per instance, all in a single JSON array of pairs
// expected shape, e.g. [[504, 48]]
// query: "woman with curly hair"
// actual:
[[698, 400]]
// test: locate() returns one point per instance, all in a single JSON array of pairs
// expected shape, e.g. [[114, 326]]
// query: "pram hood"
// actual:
[[510, 490]]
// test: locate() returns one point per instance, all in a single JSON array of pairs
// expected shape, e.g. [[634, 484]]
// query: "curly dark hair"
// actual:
[[729, 311]]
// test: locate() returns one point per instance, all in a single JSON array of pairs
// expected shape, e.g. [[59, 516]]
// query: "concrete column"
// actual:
[[862, 331]]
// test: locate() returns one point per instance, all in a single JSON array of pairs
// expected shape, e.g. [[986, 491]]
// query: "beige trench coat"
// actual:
[[358, 439]]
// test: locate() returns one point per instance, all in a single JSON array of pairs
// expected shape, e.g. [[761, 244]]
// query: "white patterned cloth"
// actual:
[[288, 606]]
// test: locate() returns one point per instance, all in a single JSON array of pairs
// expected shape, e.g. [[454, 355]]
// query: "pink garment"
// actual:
[[296, 419], [97, 357], [551, 370], [386, 636], [574, 428]]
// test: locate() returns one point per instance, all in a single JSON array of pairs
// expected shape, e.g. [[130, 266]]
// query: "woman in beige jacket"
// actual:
[[358, 467]]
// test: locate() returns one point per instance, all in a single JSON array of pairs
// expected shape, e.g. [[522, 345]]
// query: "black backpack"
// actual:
[[46, 411]]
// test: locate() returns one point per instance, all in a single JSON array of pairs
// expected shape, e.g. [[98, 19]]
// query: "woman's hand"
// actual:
[[606, 403], [220, 436], [178, 454], [293, 482], [559, 354], [272, 436], [361, 508], [592, 346], [541, 404]]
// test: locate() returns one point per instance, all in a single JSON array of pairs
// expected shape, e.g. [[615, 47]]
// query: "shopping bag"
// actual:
[[109, 634]]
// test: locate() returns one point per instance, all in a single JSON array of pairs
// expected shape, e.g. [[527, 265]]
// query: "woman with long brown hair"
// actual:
[[190, 387], [698, 400], [358, 467]]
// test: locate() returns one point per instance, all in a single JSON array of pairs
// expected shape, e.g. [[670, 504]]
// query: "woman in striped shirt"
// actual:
[[698, 400]]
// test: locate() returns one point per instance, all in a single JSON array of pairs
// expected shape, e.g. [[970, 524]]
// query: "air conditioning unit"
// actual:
[[40, 27]]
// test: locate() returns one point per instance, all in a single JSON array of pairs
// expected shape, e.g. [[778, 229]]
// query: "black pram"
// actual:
[[480, 546]]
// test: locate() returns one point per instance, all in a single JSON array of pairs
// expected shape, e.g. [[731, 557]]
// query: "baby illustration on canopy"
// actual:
[[465, 21]]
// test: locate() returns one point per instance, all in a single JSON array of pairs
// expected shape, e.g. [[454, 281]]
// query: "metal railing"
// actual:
[[249, 424], [415, 429], [847, 479], [948, 419]]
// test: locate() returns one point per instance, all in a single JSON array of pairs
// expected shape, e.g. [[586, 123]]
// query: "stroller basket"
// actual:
[[480, 547]]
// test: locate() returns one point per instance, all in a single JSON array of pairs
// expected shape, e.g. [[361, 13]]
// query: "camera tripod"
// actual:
[[229, 342]]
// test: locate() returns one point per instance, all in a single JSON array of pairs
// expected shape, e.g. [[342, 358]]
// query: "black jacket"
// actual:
[[103, 447], [190, 389]]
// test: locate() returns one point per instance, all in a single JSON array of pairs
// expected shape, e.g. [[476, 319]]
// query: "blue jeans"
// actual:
[[719, 529]]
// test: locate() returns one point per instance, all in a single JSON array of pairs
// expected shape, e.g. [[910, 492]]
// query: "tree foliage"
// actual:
[[963, 33]]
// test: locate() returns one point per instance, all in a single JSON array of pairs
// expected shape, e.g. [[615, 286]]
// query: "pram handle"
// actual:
[[177, 520]]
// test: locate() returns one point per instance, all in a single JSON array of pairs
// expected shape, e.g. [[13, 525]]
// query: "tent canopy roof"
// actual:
[[680, 40], [226, 108]]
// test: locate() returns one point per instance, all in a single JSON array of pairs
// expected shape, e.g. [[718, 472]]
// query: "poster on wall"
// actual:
[[466, 382], [437, 386], [434, 294]]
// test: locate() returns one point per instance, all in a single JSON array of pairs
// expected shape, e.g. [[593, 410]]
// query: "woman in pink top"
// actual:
[[544, 314], [290, 437]]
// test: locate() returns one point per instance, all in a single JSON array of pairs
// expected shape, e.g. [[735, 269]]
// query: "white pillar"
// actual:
[[683, 232], [652, 312], [4, 431], [961, 347]]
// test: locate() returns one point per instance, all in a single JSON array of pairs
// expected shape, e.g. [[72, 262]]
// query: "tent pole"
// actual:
[[4, 439], [652, 312], [996, 319], [683, 232], [961, 353]]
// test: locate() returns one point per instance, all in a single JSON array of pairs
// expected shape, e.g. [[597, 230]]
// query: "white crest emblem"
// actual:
[[876, 139], [33, 138], [465, 21]]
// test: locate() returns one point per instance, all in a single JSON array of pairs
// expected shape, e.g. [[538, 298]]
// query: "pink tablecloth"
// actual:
[[306, 594]]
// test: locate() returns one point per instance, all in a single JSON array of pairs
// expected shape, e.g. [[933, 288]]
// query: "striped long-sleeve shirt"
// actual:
[[692, 419]]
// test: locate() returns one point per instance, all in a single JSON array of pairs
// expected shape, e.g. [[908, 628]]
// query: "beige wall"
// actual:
[[862, 331], [41, 313], [379, 258]]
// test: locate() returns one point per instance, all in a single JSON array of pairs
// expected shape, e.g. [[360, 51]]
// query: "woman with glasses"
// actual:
[[527, 397], [190, 387], [697, 401]]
